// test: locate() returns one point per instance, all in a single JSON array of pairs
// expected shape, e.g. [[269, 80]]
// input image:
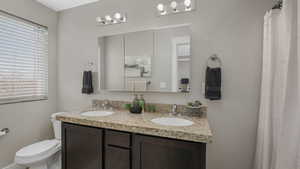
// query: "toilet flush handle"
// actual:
[[4, 131]]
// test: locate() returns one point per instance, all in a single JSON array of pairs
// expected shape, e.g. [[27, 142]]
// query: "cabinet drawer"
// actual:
[[117, 138]]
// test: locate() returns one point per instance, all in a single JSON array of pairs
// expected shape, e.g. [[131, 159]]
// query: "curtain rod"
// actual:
[[278, 4]]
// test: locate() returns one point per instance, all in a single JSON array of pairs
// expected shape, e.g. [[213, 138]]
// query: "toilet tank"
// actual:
[[56, 126]]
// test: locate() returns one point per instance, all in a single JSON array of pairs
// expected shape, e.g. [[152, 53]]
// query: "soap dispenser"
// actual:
[[136, 108]]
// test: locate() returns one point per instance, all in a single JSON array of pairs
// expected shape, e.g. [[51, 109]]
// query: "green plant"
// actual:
[[151, 108], [127, 106]]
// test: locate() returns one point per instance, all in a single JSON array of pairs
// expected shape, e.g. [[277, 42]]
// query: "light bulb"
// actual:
[[173, 5], [187, 3], [117, 16], [160, 7], [123, 19], [99, 19], [108, 18]]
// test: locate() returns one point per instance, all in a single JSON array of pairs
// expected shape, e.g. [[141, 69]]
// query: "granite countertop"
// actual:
[[141, 124]]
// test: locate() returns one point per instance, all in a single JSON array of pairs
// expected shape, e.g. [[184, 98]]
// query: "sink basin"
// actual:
[[172, 121], [97, 113]]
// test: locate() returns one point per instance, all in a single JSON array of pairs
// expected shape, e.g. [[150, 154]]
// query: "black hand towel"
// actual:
[[87, 82], [213, 83]]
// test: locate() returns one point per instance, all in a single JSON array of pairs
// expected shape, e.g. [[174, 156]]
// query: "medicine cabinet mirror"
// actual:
[[155, 60]]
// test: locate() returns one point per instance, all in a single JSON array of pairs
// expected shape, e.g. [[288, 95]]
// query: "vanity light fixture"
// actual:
[[109, 20], [175, 6]]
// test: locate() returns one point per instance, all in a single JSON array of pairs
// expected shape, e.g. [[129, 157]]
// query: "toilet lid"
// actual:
[[39, 148]]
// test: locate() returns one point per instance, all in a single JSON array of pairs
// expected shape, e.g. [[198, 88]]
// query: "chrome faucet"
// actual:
[[106, 105], [174, 109]]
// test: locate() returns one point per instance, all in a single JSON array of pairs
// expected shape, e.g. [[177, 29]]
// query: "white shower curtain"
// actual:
[[278, 141]]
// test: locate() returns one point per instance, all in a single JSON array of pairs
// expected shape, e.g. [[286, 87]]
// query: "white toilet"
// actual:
[[45, 154]]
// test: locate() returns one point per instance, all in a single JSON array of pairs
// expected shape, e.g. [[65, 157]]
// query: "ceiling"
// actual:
[[59, 5]]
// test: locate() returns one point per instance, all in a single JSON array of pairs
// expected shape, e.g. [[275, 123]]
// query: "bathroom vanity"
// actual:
[[127, 141], [110, 149]]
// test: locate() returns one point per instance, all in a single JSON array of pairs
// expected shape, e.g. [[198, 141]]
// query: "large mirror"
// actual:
[[157, 60]]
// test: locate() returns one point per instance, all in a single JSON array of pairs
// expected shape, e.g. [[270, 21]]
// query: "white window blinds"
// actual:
[[23, 60]]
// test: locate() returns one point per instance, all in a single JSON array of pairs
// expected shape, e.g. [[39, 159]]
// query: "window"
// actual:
[[23, 60]]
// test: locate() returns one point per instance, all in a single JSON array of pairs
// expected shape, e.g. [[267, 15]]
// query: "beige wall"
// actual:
[[233, 29], [29, 122]]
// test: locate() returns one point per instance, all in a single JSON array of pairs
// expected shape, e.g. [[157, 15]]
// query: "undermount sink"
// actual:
[[172, 121], [97, 113]]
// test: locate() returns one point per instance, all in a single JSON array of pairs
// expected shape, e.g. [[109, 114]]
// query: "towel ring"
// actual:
[[214, 59], [89, 66]]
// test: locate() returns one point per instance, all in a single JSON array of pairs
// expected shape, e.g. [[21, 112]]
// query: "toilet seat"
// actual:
[[37, 151]]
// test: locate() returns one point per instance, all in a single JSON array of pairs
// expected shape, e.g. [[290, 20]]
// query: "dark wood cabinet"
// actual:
[[161, 153], [81, 147], [94, 148]]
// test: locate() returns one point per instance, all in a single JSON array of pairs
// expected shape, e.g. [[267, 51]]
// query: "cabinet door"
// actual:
[[117, 158], [81, 147], [160, 153]]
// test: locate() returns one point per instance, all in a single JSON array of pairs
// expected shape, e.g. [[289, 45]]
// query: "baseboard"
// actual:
[[13, 166]]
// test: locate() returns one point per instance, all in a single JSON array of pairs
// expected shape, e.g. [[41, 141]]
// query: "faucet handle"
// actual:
[[105, 104]]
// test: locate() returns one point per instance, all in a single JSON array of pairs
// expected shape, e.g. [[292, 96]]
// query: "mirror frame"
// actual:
[[100, 72]]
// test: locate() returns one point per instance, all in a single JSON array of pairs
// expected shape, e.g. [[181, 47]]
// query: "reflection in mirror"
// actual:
[[182, 60], [138, 54], [157, 60]]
